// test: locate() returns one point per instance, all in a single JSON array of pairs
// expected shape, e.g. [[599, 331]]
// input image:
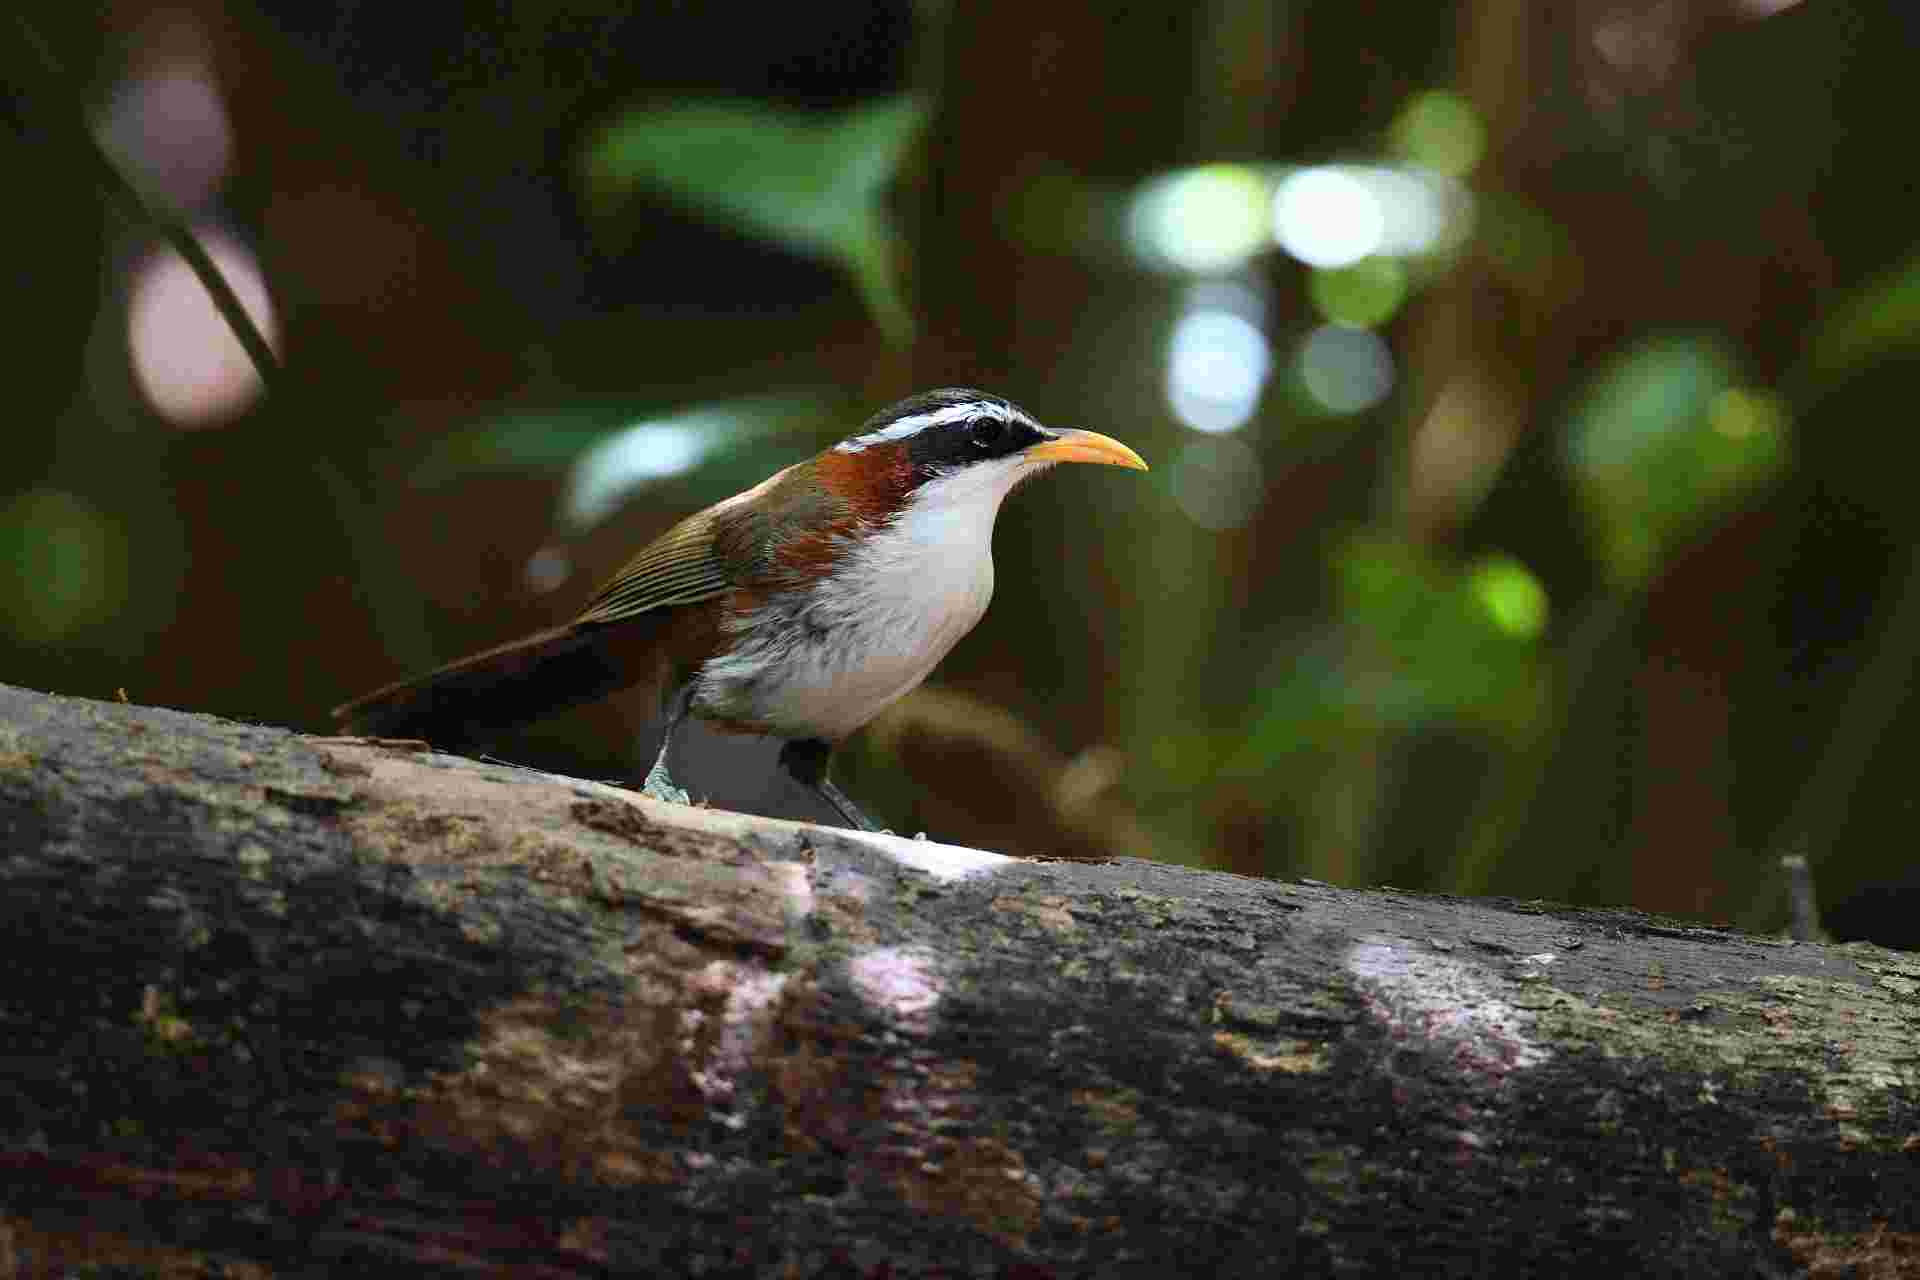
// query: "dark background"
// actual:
[[1283, 651]]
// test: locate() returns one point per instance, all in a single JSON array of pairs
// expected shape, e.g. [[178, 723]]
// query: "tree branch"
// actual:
[[330, 1003]]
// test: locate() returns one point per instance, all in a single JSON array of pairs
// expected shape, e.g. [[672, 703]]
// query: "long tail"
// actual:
[[504, 686]]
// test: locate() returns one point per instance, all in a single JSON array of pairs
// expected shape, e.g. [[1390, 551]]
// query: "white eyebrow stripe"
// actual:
[[921, 421]]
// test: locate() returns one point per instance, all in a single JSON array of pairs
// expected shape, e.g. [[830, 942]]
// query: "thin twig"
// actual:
[[1866, 714], [148, 210], [1802, 906], [395, 609]]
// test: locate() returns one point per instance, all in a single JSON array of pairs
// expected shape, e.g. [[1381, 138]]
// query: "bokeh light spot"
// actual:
[[1217, 481], [1362, 296], [1327, 217], [1336, 215], [547, 569], [1203, 220], [1217, 365], [1511, 595], [631, 457], [186, 361], [1425, 212], [1345, 370], [1440, 131], [171, 127]]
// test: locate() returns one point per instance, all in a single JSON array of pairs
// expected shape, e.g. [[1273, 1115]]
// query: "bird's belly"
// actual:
[[827, 667], [828, 691]]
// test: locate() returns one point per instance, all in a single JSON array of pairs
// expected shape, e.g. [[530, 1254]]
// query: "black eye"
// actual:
[[987, 432]]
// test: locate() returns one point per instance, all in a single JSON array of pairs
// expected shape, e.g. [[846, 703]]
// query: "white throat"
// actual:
[[892, 608]]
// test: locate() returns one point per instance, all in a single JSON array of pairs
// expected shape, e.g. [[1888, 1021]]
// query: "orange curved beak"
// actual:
[[1085, 446]]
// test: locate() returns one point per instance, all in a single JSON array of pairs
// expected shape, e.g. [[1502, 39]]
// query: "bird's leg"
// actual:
[[805, 760], [659, 785]]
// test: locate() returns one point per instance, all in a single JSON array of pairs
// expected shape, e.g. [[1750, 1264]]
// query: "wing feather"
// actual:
[[679, 567]]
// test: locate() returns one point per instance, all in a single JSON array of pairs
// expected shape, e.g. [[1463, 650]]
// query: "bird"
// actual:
[[800, 608]]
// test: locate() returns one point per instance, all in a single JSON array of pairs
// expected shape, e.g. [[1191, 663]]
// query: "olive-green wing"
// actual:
[[679, 567]]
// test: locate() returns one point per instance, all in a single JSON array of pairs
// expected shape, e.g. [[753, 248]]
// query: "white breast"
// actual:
[[823, 666]]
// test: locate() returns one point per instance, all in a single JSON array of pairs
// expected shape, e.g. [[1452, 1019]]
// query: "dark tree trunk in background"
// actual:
[[326, 1005]]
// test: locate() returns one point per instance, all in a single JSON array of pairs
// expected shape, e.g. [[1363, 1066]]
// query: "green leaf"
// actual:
[[1661, 444], [814, 184], [1881, 318]]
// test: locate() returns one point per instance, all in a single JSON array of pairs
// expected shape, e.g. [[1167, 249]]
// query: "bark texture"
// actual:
[[276, 1004]]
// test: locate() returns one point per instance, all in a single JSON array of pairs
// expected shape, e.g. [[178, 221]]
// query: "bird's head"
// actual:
[[926, 475], [955, 450]]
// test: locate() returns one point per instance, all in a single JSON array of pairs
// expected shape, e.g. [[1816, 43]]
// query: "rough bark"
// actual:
[[286, 1004]]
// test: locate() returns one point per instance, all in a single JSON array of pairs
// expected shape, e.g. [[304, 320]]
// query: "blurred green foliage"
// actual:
[[1878, 321], [69, 563], [1453, 642], [1660, 443]]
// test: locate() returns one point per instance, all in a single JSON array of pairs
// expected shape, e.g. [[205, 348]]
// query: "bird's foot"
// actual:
[[851, 813], [659, 786]]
